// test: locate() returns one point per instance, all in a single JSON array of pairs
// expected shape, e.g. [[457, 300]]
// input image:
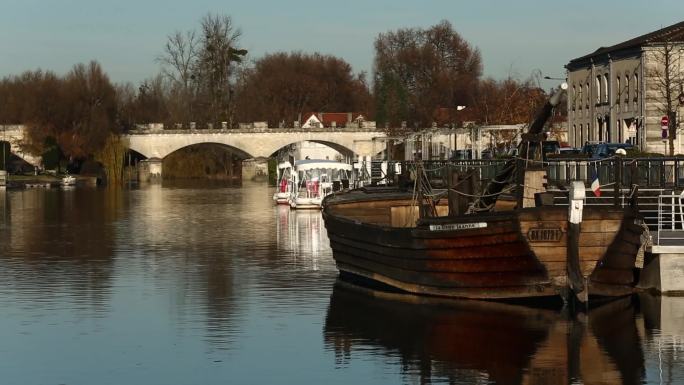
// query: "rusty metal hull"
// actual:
[[498, 255]]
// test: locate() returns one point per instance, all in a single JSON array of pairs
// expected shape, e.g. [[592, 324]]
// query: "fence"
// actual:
[[670, 219], [655, 177], [646, 172]]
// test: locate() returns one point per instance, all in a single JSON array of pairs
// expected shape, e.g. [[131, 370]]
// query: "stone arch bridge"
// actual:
[[254, 142], [248, 143]]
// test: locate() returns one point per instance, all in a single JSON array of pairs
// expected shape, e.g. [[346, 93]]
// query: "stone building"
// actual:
[[617, 93]]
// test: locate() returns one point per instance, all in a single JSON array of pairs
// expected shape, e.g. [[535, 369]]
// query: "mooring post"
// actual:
[[574, 269]]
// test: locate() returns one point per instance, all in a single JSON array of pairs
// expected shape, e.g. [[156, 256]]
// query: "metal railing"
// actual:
[[671, 219], [654, 176], [656, 172]]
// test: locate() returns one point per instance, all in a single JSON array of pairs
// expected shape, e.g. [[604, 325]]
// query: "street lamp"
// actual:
[[453, 154]]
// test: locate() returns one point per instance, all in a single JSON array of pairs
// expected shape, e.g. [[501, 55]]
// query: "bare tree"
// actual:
[[179, 62], [179, 57], [664, 83], [217, 57]]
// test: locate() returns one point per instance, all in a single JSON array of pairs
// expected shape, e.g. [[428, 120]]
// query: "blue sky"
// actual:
[[125, 36]]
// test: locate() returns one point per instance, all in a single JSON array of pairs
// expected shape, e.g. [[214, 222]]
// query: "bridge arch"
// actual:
[[253, 142], [237, 151], [346, 153]]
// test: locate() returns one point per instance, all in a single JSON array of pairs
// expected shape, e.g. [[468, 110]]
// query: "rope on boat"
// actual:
[[506, 190]]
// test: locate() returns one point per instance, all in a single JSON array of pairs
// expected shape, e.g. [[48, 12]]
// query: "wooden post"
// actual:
[[573, 267]]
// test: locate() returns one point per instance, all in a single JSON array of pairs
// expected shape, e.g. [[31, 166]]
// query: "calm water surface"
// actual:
[[187, 285]]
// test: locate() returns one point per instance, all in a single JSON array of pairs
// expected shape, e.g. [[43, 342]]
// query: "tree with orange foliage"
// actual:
[[282, 86], [418, 71], [75, 113]]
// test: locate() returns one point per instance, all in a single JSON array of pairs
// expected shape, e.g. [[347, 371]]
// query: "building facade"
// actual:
[[618, 93]]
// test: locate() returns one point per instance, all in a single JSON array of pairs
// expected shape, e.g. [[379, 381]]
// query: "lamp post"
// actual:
[[458, 108]]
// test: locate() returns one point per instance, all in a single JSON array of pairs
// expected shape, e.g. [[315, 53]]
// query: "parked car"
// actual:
[[603, 150], [568, 151]]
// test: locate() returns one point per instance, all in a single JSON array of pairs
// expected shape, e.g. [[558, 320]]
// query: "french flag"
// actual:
[[595, 185]]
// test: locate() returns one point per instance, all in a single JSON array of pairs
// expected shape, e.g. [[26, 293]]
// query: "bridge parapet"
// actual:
[[293, 130], [254, 142]]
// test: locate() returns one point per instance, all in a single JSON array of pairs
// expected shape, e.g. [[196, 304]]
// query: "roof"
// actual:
[[674, 32], [312, 164], [327, 118]]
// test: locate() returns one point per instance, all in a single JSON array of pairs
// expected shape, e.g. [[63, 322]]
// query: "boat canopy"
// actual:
[[285, 164], [314, 164]]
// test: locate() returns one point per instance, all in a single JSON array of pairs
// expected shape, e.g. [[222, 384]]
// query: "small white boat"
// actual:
[[68, 180], [316, 178], [286, 185]]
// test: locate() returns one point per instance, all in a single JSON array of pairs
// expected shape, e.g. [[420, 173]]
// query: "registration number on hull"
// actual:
[[545, 235], [458, 226]]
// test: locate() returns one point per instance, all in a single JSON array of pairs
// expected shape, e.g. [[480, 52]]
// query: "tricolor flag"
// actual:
[[595, 185]]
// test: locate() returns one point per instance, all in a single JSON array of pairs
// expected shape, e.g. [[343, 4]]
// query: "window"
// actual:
[[636, 90], [618, 93], [627, 91], [581, 101], [597, 91], [574, 97], [605, 88], [586, 92]]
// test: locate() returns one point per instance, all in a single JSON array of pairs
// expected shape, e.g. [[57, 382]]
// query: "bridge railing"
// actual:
[[146, 131]]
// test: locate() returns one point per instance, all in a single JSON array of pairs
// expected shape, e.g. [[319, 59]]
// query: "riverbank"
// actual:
[[44, 181]]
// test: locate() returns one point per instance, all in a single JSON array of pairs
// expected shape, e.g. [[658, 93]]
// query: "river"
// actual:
[[188, 284]]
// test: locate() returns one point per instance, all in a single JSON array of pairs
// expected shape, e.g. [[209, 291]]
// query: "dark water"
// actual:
[[191, 285]]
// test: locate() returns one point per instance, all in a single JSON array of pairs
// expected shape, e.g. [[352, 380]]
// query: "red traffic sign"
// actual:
[[664, 121]]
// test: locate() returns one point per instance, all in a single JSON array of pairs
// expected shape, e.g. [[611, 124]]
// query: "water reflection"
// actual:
[[663, 319], [189, 241], [467, 342], [302, 234], [53, 246]]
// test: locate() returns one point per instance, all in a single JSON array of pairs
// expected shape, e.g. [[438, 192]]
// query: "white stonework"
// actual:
[[254, 143], [14, 134], [665, 273]]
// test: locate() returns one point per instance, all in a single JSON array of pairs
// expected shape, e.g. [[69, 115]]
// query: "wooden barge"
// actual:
[[497, 255]]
